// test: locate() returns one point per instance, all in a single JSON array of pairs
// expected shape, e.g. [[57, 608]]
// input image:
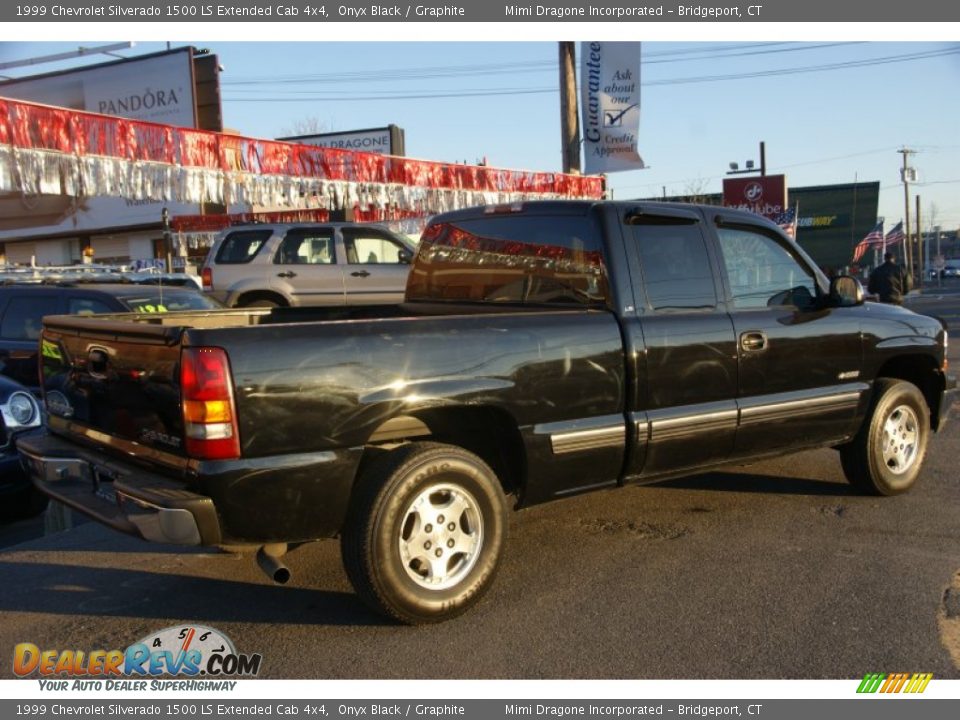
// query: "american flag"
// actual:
[[896, 235], [874, 237], [787, 221]]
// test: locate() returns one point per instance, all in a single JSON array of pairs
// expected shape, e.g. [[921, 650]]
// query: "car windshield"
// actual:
[[157, 301]]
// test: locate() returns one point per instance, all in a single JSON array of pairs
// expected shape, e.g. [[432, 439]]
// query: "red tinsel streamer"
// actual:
[[38, 127]]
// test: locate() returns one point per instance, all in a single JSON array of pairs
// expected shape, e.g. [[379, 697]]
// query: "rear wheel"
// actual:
[[425, 532], [887, 454], [260, 303], [261, 299]]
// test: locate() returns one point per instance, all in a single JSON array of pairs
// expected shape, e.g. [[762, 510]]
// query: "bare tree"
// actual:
[[311, 125], [695, 191], [932, 215]]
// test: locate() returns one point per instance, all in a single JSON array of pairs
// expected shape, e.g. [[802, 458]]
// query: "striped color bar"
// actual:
[[895, 683], [918, 683]]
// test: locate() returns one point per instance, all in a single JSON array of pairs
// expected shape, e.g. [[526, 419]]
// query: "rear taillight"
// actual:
[[209, 413], [206, 278]]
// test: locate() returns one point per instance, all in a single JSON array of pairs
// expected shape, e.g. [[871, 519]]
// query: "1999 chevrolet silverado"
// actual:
[[542, 350]]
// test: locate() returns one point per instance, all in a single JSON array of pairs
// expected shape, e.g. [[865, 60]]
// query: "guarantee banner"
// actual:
[[610, 106]]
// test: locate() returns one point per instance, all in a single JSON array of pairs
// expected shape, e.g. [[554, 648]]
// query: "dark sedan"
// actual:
[[23, 307]]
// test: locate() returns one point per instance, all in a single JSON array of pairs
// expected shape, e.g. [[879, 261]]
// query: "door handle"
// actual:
[[288, 274], [360, 273], [753, 341]]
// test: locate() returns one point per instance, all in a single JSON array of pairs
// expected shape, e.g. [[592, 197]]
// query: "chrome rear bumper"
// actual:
[[122, 496]]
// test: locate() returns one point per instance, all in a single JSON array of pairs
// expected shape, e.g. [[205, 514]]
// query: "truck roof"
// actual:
[[582, 207]]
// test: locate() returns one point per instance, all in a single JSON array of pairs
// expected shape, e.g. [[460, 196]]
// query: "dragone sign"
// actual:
[[765, 195], [387, 140]]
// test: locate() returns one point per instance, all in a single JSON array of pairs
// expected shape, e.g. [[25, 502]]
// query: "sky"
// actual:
[[833, 109]]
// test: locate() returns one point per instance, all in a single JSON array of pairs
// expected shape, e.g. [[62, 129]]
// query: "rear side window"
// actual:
[[86, 306], [307, 247], [241, 246], [676, 269], [516, 259], [24, 316]]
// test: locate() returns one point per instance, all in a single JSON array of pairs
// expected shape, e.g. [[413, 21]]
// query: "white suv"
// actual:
[[315, 264]]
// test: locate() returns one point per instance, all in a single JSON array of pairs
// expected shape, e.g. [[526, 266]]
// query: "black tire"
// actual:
[[425, 532], [260, 303], [886, 456]]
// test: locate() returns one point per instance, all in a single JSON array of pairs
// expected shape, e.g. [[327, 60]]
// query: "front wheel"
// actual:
[[425, 532], [886, 456]]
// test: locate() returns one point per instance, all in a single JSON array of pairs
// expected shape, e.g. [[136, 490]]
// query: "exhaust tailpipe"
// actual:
[[268, 558]]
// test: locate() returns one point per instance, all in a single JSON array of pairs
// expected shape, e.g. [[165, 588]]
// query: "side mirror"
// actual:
[[405, 257], [846, 291]]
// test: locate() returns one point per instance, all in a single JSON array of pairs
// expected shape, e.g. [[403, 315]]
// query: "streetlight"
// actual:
[[907, 175], [750, 167]]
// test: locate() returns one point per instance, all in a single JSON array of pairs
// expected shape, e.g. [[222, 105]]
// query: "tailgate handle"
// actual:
[[360, 273], [287, 274], [97, 362]]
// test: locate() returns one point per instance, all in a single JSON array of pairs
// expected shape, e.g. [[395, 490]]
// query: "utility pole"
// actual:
[[569, 111], [905, 175], [921, 268], [167, 240], [936, 263]]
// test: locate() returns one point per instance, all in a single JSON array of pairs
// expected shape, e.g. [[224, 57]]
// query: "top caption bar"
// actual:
[[78, 11]]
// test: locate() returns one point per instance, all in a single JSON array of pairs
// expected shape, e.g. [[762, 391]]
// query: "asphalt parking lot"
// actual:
[[776, 570]]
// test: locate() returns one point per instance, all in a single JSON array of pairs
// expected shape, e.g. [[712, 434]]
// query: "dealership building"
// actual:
[[178, 87]]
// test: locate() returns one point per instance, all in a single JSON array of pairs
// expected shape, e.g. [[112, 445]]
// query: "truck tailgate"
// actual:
[[113, 379]]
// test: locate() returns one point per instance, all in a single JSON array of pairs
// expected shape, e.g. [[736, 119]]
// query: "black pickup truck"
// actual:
[[543, 349]]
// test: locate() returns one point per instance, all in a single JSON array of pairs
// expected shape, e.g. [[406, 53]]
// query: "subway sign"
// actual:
[[822, 222]]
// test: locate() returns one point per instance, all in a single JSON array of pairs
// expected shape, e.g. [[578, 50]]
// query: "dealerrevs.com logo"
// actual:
[[191, 651]]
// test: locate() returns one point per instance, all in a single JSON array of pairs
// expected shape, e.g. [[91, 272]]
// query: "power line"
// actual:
[[432, 71], [513, 68], [818, 161], [488, 92]]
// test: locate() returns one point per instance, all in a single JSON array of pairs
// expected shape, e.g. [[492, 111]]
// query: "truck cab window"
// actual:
[[763, 272], [675, 265], [515, 259]]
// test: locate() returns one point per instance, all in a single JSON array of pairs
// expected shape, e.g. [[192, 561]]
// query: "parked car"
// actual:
[[23, 306], [291, 265], [19, 413], [544, 349], [950, 270]]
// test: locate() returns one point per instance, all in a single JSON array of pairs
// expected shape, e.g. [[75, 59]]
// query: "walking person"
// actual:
[[889, 281]]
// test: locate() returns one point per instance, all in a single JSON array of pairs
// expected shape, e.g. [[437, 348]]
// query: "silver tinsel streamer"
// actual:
[[35, 172]]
